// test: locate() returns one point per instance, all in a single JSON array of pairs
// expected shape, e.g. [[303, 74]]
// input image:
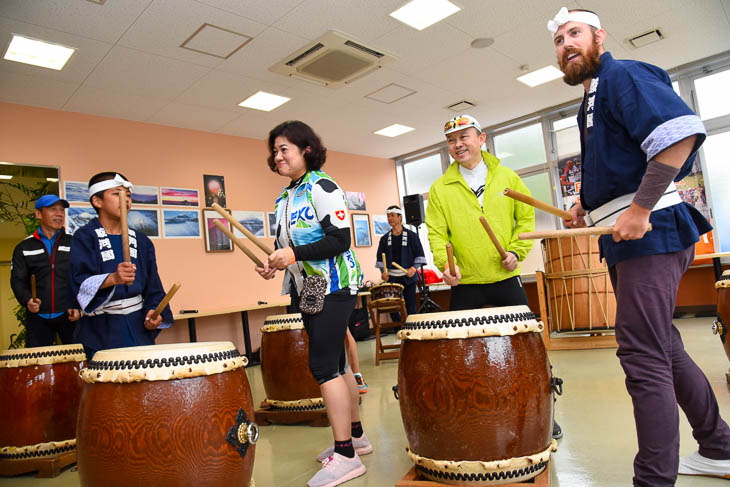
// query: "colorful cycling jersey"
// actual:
[[318, 206]]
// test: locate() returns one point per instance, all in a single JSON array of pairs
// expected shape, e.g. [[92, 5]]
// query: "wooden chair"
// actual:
[[377, 308]]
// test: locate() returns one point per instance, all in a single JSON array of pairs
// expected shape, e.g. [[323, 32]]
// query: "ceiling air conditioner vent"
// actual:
[[646, 38], [333, 60]]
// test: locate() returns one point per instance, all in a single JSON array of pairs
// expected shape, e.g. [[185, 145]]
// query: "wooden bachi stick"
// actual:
[[571, 232], [253, 238], [540, 205], [450, 257], [493, 237], [125, 227], [33, 293], [239, 243], [385, 265], [165, 300]]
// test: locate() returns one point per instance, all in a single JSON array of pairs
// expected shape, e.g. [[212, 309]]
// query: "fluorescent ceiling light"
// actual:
[[540, 76], [263, 101], [394, 130], [419, 14], [565, 123], [52, 180], [5, 176], [38, 53]]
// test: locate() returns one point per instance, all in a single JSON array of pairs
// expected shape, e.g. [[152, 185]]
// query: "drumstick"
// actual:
[[33, 293], [164, 301], [385, 263], [239, 243], [398, 266], [493, 237], [450, 257], [257, 241], [125, 228], [537, 204], [571, 232]]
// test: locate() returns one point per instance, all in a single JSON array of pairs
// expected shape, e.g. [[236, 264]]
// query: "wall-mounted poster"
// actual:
[[180, 223], [145, 221], [215, 240], [215, 190], [569, 176], [355, 201], [380, 225], [77, 217], [179, 197], [252, 220], [145, 195], [76, 192], [272, 223], [361, 229]]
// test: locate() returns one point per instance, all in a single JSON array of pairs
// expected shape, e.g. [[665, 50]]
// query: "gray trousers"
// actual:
[[659, 372]]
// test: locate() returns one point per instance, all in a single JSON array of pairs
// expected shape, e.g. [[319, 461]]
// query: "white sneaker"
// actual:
[[362, 447], [696, 464], [336, 470]]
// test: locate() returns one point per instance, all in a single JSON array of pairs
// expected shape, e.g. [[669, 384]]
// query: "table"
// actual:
[[715, 261], [192, 333]]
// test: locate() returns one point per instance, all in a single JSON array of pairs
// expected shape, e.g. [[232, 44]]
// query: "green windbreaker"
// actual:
[[453, 216]]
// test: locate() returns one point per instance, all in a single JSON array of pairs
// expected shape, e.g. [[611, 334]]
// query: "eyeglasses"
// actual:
[[457, 122]]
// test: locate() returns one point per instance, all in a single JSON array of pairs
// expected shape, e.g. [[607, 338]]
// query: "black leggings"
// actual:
[[503, 293], [326, 331]]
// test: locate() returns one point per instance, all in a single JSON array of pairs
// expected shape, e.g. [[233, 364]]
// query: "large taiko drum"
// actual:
[[476, 395], [386, 293], [723, 314], [579, 291], [166, 415], [41, 390], [288, 383]]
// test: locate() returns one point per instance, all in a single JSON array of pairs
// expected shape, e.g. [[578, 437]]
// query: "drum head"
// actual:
[[163, 362], [291, 321], [473, 323], [21, 357]]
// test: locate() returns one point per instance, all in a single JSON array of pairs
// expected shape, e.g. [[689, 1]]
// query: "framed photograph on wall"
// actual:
[[180, 223], [252, 220], [179, 197], [361, 229], [355, 201], [77, 217], [76, 192], [145, 221], [145, 195], [271, 218], [380, 225], [215, 190], [215, 240]]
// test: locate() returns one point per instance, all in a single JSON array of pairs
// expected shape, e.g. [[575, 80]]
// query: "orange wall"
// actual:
[[155, 155]]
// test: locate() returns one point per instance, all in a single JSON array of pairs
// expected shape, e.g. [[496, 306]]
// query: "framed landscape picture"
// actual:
[[145, 221], [181, 223], [179, 197], [252, 220], [361, 229], [145, 195]]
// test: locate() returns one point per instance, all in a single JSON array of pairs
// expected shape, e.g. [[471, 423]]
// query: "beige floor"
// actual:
[[595, 412]]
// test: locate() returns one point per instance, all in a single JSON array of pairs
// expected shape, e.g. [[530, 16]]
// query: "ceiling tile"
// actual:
[[100, 102], [34, 90], [266, 12], [193, 117]]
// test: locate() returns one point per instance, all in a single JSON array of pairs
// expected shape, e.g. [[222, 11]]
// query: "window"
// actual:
[[419, 174], [521, 148], [716, 149], [712, 98]]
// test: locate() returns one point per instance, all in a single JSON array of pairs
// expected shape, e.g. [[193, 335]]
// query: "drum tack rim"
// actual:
[[22, 357]]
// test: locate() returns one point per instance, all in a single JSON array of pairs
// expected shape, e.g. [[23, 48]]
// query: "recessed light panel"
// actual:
[[264, 101], [419, 14], [38, 53], [540, 76], [394, 130]]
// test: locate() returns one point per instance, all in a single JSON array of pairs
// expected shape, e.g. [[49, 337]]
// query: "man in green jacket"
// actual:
[[473, 186]]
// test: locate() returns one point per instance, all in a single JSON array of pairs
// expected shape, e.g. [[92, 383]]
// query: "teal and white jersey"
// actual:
[[315, 205]]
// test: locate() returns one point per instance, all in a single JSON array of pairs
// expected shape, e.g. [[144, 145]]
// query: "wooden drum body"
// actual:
[[579, 290], [723, 312], [288, 383], [41, 391], [166, 415], [386, 292], [476, 396]]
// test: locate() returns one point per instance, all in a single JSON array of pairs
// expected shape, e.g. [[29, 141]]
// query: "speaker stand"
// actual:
[[428, 305]]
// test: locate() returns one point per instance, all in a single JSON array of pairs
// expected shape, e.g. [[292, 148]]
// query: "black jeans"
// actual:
[[41, 332], [503, 293]]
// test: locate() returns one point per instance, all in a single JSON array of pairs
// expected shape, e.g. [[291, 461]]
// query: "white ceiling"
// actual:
[[129, 64]]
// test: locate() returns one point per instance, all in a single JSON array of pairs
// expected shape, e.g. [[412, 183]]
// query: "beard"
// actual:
[[578, 71]]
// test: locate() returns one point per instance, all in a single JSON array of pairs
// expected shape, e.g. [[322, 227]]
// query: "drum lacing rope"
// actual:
[[163, 362], [471, 321], [486, 476], [47, 353]]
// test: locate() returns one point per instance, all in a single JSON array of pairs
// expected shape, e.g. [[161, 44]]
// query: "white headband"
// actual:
[[397, 211], [108, 184], [563, 17]]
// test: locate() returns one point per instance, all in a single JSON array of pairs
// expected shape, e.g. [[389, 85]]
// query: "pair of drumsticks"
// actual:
[[127, 257], [239, 243], [395, 264]]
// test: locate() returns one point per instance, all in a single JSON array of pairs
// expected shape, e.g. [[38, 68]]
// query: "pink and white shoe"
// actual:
[[362, 447], [337, 469]]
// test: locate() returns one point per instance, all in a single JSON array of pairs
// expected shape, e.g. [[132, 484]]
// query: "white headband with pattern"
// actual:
[[397, 211], [563, 17], [108, 184]]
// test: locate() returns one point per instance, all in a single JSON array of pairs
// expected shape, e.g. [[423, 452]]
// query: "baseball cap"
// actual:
[[460, 123], [49, 200]]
